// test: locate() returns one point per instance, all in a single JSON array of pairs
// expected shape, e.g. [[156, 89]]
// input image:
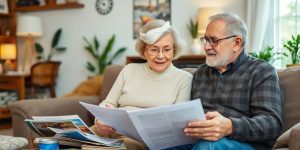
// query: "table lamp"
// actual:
[[28, 27], [202, 17], [8, 52]]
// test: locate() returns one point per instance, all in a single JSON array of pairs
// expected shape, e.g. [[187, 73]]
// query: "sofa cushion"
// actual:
[[286, 139], [110, 75], [290, 83], [89, 87]]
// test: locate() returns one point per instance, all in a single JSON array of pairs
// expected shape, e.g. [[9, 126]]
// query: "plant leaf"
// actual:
[[90, 67], [96, 45], [39, 48], [61, 49], [90, 48], [116, 54], [56, 38], [103, 57]]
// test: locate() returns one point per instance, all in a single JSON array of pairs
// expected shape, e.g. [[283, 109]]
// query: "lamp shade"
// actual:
[[29, 26], [203, 15], [8, 51]]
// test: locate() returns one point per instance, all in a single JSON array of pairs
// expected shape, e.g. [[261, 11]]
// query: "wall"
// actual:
[[77, 23]]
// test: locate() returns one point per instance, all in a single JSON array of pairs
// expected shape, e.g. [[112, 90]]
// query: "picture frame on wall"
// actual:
[[147, 10], [4, 7]]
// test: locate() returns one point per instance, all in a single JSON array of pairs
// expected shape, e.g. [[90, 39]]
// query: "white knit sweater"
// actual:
[[137, 86]]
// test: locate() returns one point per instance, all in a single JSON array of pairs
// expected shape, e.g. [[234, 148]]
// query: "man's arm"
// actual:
[[266, 110]]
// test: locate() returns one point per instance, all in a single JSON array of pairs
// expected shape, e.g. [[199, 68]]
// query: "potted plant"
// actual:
[[266, 54], [102, 58], [54, 47], [193, 29], [293, 47]]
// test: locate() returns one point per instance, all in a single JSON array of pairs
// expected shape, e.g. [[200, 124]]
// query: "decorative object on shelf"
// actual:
[[4, 7], [146, 10], [103, 7], [54, 47], [101, 58], [293, 47], [28, 27], [193, 28], [8, 53]]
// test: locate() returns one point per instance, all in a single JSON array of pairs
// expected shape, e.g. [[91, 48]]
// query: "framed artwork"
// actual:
[[147, 10], [3, 7]]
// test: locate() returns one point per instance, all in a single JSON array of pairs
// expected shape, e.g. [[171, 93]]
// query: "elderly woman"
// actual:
[[154, 83]]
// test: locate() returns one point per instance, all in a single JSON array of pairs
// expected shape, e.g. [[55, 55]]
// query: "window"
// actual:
[[288, 23]]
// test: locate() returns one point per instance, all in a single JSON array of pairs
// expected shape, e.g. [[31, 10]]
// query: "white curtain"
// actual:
[[260, 23]]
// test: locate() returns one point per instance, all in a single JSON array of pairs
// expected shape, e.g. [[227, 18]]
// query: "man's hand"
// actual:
[[215, 127], [104, 130]]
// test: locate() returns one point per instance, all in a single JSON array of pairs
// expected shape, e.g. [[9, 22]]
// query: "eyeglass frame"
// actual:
[[211, 42], [159, 50]]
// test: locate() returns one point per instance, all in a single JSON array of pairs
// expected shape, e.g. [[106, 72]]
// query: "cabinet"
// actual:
[[8, 26]]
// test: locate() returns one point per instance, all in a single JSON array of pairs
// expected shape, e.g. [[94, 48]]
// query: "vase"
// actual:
[[196, 47]]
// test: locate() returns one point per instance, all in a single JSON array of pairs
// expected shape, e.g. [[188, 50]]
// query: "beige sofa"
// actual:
[[290, 81]]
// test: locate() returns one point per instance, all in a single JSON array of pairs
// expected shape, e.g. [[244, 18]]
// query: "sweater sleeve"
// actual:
[[184, 93], [116, 90]]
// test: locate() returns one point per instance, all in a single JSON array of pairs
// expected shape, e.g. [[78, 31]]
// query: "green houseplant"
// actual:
[[293, 47], [193, 29], [102, 58], [266, 54], [54, 47]]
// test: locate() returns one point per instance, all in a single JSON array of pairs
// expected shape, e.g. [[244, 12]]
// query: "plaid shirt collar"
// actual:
[[231, 67]]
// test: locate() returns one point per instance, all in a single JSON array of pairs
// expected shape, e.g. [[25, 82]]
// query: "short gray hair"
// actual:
[[178, 42], [235, 25]]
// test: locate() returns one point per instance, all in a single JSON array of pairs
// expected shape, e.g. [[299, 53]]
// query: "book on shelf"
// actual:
[[71, 130], [158, 127]]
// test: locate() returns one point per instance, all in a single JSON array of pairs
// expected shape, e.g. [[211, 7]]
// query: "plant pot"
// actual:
[[196, 47], [292, 65]]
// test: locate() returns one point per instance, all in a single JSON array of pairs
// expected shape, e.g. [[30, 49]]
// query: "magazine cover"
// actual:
[[70, 126]]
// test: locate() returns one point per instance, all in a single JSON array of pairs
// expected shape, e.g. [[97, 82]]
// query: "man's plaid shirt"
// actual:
[[248, 93]]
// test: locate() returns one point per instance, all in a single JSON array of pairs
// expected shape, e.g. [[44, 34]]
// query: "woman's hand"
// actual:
[[215, 127], [104, 130]]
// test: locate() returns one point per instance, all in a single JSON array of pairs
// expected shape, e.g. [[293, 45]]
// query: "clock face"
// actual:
[[103, 7]]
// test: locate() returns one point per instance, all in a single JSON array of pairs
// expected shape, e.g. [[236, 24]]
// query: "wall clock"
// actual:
[[103, 7]]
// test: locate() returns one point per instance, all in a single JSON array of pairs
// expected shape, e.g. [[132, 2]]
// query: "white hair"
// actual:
[[235, 25], [155, 30]]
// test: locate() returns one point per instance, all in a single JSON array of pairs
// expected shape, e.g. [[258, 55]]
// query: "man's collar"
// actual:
[[234, 65]]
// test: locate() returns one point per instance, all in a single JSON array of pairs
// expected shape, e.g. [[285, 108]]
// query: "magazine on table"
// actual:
[[158, 127], [70, 126]]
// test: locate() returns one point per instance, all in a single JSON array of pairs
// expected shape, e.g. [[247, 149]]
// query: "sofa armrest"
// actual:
[[295, 138], [24, 109], [289, 139]]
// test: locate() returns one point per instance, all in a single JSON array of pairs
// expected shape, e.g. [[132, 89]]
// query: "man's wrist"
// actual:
[[228, 127]]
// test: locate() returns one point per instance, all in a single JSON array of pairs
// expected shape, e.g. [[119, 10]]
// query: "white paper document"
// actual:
[[158, 127]]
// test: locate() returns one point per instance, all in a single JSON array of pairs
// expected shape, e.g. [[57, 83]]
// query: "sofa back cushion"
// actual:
[[290, 84], [110, 75]]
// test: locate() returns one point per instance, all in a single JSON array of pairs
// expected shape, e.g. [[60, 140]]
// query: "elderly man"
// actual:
[[240, 95]]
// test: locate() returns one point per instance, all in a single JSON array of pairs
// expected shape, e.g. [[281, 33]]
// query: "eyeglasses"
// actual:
[[154, 51], [213, 42]]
